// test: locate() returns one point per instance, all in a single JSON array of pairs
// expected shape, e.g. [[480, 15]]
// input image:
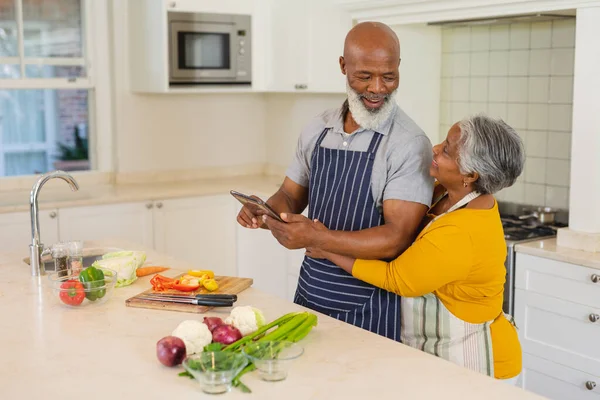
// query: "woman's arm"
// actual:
[[344, 262], [441, 256]]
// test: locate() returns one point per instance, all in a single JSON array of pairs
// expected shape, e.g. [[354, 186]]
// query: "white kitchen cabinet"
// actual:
[[262, 258], [306, 40], [557, 382], [199, 230], [15, 230], [127, 221], [557, 311]]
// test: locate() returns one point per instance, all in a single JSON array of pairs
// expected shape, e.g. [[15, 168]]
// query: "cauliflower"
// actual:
[[194, 334], [246, 318]]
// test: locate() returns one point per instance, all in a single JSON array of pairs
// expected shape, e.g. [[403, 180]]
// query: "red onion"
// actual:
[[213, 322], [226, 334], [170, 351]]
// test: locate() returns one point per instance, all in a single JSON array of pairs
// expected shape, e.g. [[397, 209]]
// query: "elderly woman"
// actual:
[[452, 277]]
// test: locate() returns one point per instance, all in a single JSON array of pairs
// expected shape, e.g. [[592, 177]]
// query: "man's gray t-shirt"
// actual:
[[402, 161]]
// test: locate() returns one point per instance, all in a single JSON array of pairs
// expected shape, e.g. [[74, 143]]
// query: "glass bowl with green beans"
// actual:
[[215, 370]]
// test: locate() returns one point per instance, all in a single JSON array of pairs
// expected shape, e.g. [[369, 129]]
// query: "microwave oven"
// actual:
[[209, 48]]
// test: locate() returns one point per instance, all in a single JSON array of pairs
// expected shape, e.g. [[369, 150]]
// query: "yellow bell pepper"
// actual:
[[210, 284], [200, 272]]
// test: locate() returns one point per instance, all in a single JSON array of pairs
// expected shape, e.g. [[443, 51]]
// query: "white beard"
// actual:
[[369, 118]]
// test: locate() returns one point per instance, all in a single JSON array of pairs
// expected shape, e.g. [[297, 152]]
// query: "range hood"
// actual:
[[509, 19]]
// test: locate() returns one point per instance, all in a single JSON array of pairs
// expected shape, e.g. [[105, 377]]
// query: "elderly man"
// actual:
[[363, 171]]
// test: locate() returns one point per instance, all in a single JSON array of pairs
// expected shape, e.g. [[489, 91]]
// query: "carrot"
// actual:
[[143, 271]]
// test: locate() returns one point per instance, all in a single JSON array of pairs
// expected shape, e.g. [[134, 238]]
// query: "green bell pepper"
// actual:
[[92, 278]]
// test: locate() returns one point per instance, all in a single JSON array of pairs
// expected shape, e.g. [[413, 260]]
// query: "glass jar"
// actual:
[[60, 253], [75, 258]]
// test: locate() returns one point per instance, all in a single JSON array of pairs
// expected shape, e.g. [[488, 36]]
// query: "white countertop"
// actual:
[[109, 352], [548, 248], [57, 194]]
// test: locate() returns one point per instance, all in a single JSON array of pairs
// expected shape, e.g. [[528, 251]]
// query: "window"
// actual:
[[47, 96]]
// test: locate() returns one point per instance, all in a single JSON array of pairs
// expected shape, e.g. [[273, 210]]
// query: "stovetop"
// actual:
[[516, 229]]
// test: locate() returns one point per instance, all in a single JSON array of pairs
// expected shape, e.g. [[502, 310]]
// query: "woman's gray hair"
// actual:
[[491, 148]]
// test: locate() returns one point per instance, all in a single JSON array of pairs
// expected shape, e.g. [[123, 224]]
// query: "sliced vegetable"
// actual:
[[185, 286], [92, 279], [201, 272], [210, 284], [72, 292], [160, 283], [143, 271]]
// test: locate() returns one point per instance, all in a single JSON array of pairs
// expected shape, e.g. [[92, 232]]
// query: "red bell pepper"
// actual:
[[72, 292], [160, 283], [186, 286]]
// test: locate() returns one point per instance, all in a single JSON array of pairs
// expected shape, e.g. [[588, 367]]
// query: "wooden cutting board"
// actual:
[[227, 285]]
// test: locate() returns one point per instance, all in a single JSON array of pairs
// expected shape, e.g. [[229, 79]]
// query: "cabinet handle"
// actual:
[[299, 86], [159, 205], [53, 214], [590, 385], [595, 278], [594, 317], [149, 206]]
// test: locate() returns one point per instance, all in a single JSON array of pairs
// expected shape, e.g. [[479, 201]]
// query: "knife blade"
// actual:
[[219, 296], [191, 300]]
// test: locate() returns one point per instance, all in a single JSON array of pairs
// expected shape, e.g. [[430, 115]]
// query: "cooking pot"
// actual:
[[544, 215]]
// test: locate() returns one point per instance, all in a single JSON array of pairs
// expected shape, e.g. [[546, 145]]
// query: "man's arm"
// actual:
[[402, 218], [387, 241], [290, 198]]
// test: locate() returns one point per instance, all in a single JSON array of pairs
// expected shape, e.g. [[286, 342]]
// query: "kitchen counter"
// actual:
[[57, 194], [548, 248], [109, 352]]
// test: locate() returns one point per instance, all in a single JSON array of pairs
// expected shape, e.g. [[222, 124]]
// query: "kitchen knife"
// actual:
[[190, 300], [228, 297]]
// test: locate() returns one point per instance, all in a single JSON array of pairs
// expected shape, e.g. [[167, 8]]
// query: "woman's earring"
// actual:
[[465, 184]]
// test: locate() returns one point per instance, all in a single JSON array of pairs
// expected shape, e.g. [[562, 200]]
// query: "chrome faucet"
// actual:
[[36, 248]]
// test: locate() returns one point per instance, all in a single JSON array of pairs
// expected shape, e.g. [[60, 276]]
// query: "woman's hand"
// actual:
[[315, 252]]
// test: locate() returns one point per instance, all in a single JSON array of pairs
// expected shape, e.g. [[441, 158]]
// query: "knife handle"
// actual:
[[228, 297], [214, 303]]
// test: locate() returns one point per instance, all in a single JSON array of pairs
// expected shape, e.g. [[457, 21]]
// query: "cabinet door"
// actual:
[[15, 231], [131, 222], [262, 258], [288, 49], [328, 25], [199, 230], [557, 382]]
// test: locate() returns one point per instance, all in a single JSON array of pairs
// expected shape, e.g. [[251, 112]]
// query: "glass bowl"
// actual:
[[215, 370], [68, 291], [273, 359]]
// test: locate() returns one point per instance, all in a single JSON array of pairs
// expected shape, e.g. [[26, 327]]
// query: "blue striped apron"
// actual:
[[340, 197]]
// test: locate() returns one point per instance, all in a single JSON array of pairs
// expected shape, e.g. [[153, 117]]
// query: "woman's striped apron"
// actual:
[[429, 326], [340, 197]]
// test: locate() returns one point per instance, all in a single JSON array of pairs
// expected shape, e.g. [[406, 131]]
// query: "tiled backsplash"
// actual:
[[522, 73]]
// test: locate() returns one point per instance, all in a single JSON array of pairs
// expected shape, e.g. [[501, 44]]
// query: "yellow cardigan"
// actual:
[[459, 258]]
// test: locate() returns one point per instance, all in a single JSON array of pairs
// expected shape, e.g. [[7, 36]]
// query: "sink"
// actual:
[[89, 256]]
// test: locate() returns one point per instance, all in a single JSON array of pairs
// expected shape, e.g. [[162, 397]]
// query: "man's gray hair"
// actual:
[[491, 148]]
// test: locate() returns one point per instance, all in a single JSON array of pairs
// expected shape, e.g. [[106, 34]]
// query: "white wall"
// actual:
[[286, 116], [522, 73], [419, 90], [175, 132]]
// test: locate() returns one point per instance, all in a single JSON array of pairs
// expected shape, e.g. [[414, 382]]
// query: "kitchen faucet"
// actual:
[[36, 248]]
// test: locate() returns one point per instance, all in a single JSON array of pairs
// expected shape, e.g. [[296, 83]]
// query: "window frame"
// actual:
[[97, 62]]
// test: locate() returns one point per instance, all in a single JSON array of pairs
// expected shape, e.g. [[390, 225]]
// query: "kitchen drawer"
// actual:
[[558, 382], [570, 282], [558, 330]]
